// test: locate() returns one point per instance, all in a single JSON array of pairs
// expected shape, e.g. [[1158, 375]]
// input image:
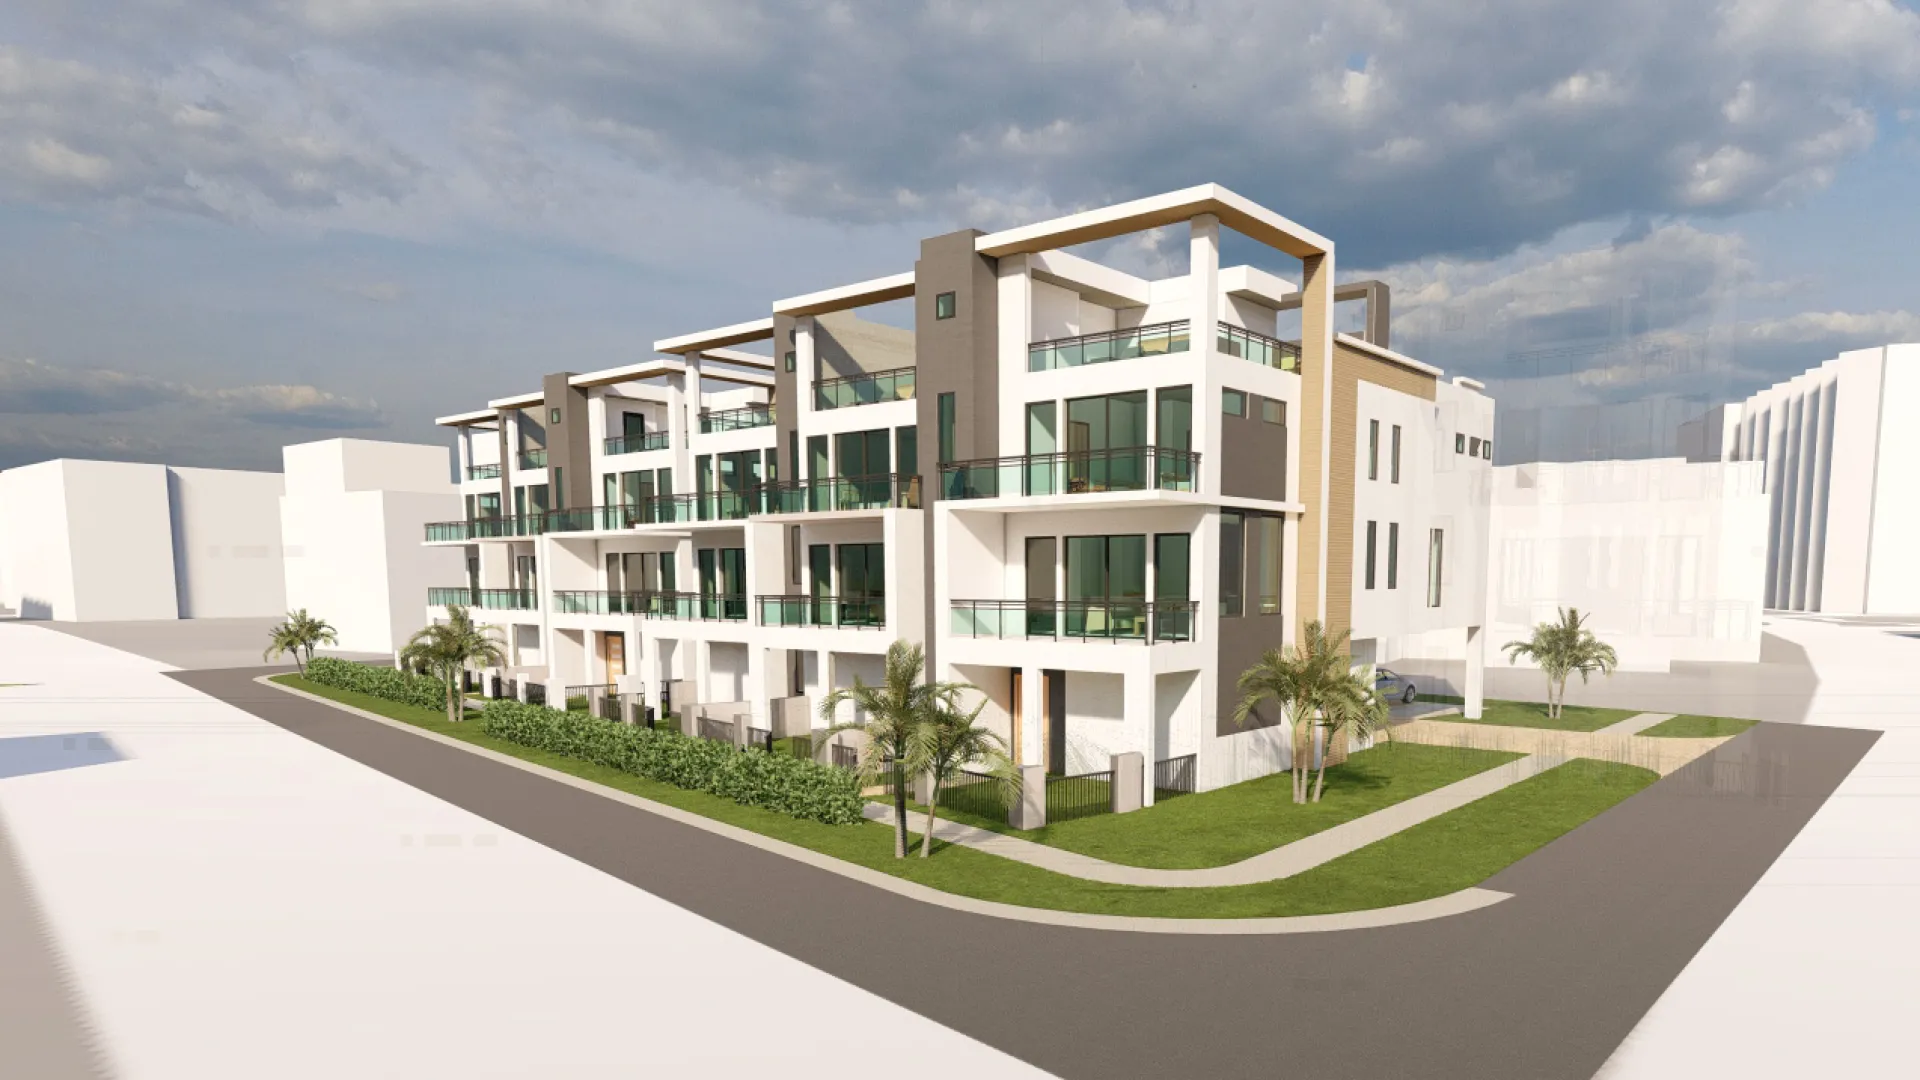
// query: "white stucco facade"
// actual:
[[1839, 451], [1667, 557], [226, 543]]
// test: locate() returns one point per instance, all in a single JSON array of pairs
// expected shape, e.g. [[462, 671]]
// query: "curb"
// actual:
[[1455, 903]]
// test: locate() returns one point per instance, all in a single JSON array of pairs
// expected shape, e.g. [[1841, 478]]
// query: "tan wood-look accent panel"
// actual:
[[1315, 370]]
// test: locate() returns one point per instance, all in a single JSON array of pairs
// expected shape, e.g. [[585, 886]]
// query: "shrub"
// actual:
[[382, 682], [777, 782]]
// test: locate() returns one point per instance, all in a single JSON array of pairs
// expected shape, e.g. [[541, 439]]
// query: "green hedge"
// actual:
[[382, 682], [777, 782]]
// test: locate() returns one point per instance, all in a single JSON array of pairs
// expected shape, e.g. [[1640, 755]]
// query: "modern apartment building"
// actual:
[[1842, 522], [1097, 497]]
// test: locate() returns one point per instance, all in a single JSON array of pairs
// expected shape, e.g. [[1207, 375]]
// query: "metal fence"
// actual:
[[717, 730], [1085, 795], [494, 691], [1174, 776], [974, 793], [760, 737], [536, 693], [845, 757]]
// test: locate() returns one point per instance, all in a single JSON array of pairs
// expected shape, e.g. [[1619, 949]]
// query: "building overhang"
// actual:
[[1388, 355], [719, 338], [1235, 211], [518, 401], [1100, 284], [1253, 283], [859, 294], [646, 369], [468, 419]]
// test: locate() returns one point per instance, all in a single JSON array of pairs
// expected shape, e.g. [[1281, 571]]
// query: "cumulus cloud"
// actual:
[[29, 387], [1451, 133]]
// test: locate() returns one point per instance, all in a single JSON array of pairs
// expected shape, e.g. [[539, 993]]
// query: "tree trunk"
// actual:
[[899, 813], [1320, 782], [933, 800]]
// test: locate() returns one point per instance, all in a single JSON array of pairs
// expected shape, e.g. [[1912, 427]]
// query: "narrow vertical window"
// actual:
[[1373, 449], [1394, 464], [944, 305], [1267, 560], [946, 419], [791, 359], [1436, 551], [793, 554], [1233, 564], [1459, 444], [1393, 555], [1373, 534]]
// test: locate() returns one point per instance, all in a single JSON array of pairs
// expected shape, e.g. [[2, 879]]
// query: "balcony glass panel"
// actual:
[[487, 528], [483, 472], [1130, 468], [868, 389], [1259, 348], [842, 493], [490, 599], [533, 459], [855, 612], [1079, 620], [650, 605], [633, 444], [749, 416], [1158, 339]]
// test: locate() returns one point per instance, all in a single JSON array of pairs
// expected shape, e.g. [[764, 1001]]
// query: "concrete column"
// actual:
[[1129, 782], [1033, 713], [689, 720], [1029, 811], [556, 693], [702, 668], [1475, 690], [1137, 708]]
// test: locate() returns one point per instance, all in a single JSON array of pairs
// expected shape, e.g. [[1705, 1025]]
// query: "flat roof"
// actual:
[[518, 401], [466, 419], [1235, 211], [737, 356], [859, 294], [646, 369], [1388, 355], [718, 338]]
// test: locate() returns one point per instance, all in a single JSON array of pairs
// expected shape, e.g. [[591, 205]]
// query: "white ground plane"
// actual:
[[232, 900]]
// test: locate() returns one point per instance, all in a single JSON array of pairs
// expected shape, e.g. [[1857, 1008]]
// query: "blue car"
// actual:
[[1392, 686]]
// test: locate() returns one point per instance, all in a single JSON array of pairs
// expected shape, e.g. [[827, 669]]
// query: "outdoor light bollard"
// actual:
[[1129, 780], [1029, 811]]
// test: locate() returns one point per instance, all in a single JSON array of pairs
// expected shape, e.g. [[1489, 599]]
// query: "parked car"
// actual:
[[1392, 685]]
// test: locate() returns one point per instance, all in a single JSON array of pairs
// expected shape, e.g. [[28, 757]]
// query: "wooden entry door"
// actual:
[[613, 651]]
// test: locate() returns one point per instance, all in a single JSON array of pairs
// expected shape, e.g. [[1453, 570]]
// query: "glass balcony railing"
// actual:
[[1130, 468], [856, 612], [867, 389], [1078, 620], [651, 605], [747, 416], [489, 528], [533, 459], [1259, 348], [483, 472], [841, 493], [1158, 339], [490, 599], [652, 440]]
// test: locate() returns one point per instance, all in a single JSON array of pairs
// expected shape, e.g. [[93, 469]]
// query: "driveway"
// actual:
[[1544, 985]]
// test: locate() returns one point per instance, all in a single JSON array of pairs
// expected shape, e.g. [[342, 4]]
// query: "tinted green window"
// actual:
[[944, 306], [864, 453], [907, 451], [1175, 406], [1106, 568], [817, 467], [1233, 558], [1233, 402], [632, 425], [1172, 553], [947, 411]]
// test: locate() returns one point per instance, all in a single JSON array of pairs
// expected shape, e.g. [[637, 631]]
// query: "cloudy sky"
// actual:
[[226, 225]]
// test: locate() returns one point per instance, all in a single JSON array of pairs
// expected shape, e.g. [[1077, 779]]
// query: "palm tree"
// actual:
[[1307, 678], [448, 648], [898, 725], [957, 742], [1561, 649], [1353, 705], [300, 632]]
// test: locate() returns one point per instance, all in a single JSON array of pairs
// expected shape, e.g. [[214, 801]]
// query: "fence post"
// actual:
[[741, 722], [1129, 781], [1029, 810], [636, 711], [690, 720]]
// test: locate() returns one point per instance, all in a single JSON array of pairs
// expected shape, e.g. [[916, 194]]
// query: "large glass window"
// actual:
[[906, 450], [946, 411], [1098, 430], [864, 453], [1268, 556], [1233, 562], [863, 584], [633, 426], [1174, 404], [1106, 586], [1172, 567]]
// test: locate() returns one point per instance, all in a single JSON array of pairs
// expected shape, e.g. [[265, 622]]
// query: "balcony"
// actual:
[[493, 528], [1074, 620], [854, 612], [490, 599], [1158, 339], [1130, 468], [533, 459], [841, 493], [747, 416], [652, 440], [1259, 348], [651, 605], [483, 472], [868, 389]]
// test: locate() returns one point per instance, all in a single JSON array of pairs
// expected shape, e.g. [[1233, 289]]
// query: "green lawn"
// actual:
[[1534, 715], [1215, 828], [1689, 726], [1451, 852]]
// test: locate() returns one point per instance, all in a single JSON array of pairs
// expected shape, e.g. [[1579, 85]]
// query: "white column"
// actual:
[[702, 660], [1203, 304], [1033, 717], [1015, 285], [1475, 690], [805, 374], [1137, 703]]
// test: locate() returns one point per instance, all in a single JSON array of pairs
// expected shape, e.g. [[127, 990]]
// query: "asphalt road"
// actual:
[[1542, 986]]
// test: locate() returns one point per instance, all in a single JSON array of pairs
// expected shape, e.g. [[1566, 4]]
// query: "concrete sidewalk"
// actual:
[[1663, 756], [1282, 862]]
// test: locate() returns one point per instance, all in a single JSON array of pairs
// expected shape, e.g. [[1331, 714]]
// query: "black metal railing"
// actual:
[[827, 494], [858, 612], [651, 605], [652, 440], [1259, 348], [489, 599], [1085, 795], [1084, 620], [1157, 339], [760, 737], [536, 693], [483, 472], [868, 388], [715, 730], [974, 793], [494, 687], [1174, 776], [746, 416], [1072, 472], [845, 757], [533, 459], [487, 528]]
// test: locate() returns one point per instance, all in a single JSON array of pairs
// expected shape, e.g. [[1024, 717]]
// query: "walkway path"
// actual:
[[1663, 756], [1282, 862], [1634, 725]]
